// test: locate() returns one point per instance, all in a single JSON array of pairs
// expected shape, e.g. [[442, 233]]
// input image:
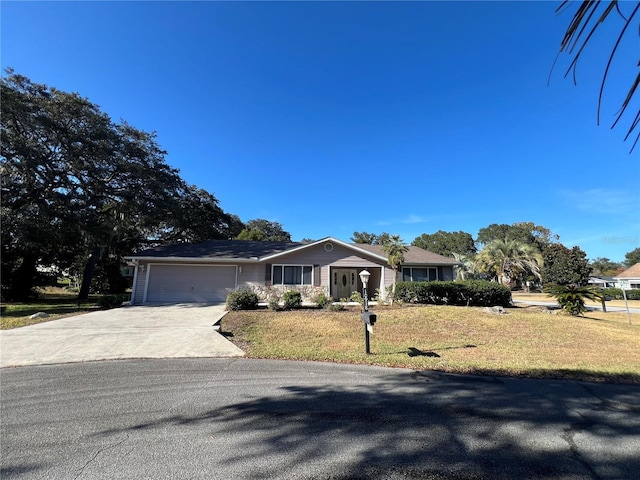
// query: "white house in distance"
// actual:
[[208, 271], [630, 278], [603, 281]]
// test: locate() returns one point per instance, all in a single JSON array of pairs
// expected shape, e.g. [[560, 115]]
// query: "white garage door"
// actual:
[[190, 283]]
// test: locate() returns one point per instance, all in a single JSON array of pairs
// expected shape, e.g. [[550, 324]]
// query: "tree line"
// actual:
[[518, 255], [79, 191]]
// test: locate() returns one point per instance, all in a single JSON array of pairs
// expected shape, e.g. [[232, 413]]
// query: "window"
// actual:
[[419, 274], [292, 275]]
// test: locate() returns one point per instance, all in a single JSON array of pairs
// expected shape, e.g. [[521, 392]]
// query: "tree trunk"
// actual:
[[88, 274], [23, 281], [393, 286]]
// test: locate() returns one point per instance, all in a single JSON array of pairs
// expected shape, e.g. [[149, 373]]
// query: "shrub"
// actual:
[[321, 300], [633, 294], [612, 293], [292, 299], [356, 297], [336, 307], [273, 300], [616, 294], [112, 301], [471, 293], [571, 297], [274, 303], [242, 300]]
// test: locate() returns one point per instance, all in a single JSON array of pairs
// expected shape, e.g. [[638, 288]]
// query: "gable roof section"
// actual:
[[631, 272], [350, 246], [414, 255]]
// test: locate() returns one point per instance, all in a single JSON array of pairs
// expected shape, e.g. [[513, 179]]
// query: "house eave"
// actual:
[[191, 259], [324, 240], [430, 264]]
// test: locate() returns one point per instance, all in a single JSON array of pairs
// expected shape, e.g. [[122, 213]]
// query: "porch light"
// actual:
[[364, 278]]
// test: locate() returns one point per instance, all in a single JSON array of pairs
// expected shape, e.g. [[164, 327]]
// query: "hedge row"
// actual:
[[616, 294], [471, 293]]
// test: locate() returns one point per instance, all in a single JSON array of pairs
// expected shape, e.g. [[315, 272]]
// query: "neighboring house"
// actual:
[[208, 271], [603, 282], [630, 278]]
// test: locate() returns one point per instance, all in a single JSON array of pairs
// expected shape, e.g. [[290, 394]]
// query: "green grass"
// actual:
[[56, 302], [524, 342]]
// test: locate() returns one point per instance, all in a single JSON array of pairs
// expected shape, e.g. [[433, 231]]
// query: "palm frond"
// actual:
[[586, 20]]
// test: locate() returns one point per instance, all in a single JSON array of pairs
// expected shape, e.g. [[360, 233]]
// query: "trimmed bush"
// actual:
[[470, 293], [616, 294], [335, 307], [612, 293], [321, 300], [242, 300], [292, 299], [274, 303], [633, 294], [112, 301], [356, 297]]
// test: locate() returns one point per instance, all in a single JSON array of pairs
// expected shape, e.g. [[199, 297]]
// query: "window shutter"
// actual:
[[316, 275], [440, 273], [267, 272]]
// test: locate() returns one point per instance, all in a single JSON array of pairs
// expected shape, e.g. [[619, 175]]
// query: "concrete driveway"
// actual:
[[162, 331]]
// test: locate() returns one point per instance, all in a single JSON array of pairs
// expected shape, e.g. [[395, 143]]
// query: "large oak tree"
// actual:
[[78, 188], [263, 230], [446, 243]]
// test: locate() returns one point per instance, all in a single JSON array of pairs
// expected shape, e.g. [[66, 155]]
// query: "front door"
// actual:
[[344, 282]]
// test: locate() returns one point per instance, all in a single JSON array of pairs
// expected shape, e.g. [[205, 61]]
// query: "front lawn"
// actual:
[[55, 302], [522, 342]]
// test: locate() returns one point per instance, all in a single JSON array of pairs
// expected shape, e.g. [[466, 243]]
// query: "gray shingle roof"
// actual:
[[245, 249], [218, 249], [414, 255]]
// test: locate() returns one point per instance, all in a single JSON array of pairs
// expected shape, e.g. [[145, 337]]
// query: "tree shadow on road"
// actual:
[[426, 425]]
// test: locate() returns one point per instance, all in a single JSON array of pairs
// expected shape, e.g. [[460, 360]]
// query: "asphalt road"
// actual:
[[589, 307], [252, 419]]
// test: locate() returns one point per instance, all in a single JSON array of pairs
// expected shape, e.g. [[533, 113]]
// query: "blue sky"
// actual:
[[335, 117]]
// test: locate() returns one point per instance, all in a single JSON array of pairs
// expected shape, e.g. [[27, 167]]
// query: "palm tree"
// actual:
[[395, 249], [508, 259], [466, 269], [571, 297]]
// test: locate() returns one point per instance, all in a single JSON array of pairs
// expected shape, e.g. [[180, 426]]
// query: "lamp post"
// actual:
[[364, 278]]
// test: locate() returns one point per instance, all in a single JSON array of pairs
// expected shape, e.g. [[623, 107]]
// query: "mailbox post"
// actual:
[[368, 319], [624, 284]]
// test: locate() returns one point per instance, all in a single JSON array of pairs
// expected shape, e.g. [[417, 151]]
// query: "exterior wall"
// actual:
[[629, 283], [250, 275], [339, 257], [308, 292], [138, 287]]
